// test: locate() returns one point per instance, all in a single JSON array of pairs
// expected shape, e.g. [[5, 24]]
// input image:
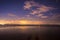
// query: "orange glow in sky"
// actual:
[[29, 22], [19, 22]]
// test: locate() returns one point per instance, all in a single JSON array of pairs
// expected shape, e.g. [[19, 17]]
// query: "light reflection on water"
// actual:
[[21, 32], [26, 32], [26, 29], [20, 29]]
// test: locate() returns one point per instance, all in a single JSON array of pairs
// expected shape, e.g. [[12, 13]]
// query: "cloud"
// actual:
[[29, 4], [34, 12], [40, 15], [44, 16], [54, 19], [56, 16], [44, 8], [40, 9], [27, 15], [12, 15]]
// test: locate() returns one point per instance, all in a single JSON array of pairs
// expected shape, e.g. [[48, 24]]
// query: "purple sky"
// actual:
[[38, 10]]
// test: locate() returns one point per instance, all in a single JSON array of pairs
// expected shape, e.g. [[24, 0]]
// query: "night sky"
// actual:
[[32, 11]]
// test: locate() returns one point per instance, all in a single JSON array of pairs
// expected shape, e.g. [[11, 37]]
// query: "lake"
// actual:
[[29, 32]]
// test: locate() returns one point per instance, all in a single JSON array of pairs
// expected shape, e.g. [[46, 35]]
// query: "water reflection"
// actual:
[[20, 29], [28, 32], [27, 29]]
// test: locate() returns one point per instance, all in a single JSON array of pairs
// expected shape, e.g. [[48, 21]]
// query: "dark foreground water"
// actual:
[[30, 33]]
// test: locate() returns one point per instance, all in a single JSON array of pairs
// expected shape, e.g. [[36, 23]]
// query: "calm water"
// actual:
[[29, 32]]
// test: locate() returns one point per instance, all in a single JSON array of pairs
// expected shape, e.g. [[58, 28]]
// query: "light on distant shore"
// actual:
[[2, 23]]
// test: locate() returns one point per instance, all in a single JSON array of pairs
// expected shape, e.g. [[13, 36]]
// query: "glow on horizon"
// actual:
[[29, 22], [24, 22]]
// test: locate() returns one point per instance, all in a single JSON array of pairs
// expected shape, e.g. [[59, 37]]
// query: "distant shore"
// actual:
[[46, 25]]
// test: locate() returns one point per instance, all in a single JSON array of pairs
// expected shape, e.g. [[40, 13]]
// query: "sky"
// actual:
[[30, 12]]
